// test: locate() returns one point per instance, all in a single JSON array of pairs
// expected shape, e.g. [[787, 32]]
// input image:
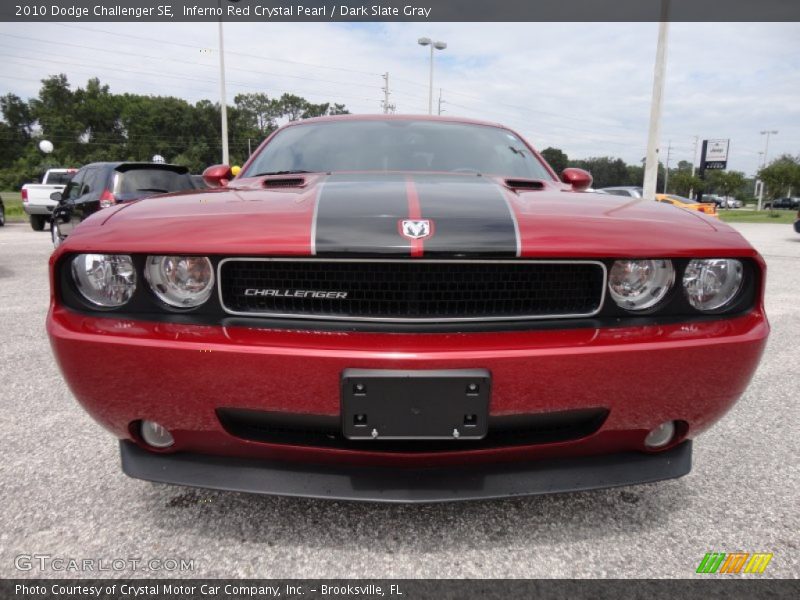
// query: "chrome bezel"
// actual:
[[209, 292], [659, 301]]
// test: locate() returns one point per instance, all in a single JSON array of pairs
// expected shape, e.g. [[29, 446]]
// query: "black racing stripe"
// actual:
[[358, 214], [471, 217]]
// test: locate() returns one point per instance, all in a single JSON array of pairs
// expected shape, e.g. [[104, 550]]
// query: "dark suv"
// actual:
[[100, 185], [790, 203]]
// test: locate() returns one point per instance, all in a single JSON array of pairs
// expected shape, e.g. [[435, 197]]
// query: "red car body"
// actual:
[[635, 373]]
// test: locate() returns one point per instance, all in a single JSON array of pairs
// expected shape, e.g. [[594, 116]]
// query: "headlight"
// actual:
[[640, 284], [104, 279], [181, 281], [711, 283]]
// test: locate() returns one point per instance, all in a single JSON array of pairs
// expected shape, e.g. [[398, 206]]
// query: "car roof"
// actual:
[[334, 118], [130, 165]]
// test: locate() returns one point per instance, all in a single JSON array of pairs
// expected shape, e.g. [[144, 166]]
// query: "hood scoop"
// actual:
[[284, 182], [524, 184]]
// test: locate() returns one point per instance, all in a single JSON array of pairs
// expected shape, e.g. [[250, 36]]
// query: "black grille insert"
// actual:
[[411, 290], [326, 432]]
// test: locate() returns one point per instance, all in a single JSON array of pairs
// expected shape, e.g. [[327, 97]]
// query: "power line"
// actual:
[[177, 60], [194, 47]]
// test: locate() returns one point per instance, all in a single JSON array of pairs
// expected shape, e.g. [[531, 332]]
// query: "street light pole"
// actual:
[[651, 162], [434, 46], [223, 104], [768, 133]]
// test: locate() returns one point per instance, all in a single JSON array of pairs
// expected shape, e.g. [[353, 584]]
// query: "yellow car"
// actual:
[[708, 208]]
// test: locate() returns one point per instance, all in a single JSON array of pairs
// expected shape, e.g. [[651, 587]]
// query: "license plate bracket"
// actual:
[[388, 404]]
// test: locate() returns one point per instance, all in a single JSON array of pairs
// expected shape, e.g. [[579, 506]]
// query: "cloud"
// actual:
[[583, 87]]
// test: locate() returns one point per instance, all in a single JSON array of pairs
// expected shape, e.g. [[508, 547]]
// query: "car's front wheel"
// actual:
[[2, 215], [55, 234], [37, 222]]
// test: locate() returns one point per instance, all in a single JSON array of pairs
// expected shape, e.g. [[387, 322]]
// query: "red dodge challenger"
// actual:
[[404, 309]]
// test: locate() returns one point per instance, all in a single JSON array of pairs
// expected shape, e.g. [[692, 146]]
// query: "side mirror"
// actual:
[[56, 196], [579, 179], [217, 175]]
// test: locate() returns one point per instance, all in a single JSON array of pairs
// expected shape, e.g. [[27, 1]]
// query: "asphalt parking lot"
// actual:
[[62, 492]]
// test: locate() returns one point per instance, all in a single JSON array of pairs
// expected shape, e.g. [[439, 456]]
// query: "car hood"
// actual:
[[364, 214]]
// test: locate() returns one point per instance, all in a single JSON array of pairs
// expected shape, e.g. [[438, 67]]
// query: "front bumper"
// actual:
[[184, 376], [347, 482]]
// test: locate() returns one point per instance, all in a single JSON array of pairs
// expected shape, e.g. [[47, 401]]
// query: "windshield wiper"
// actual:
[[152, 190], [292, 172]]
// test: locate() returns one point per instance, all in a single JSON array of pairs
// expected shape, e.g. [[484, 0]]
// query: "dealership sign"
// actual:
[[715, 154]]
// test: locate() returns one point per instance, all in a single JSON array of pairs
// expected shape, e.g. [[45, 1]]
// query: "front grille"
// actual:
[[411, 290], [326, 431]]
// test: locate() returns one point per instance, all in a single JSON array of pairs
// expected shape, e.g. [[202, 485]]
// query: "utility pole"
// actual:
[[440, 101], [387, 108], [768, 133], [223, 103], [666, 166], [434, 46], [694, 160], [657, 102]]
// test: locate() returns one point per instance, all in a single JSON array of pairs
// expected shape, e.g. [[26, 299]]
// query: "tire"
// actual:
[[55, 234], [37, 222], [2, 216]]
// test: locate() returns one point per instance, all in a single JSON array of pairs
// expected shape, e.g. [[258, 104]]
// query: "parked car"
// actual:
[[2, 212], [36, 201], [730, 202], [631, 191], [783, 203], [718, 201], [704, 207], [101, 185], [404, 309]]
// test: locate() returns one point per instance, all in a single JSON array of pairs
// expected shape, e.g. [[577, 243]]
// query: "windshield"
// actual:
[[398, 146], [59, 177], [138, 182]]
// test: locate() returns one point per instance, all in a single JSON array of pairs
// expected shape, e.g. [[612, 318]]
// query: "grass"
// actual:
[[13, 204], [758, 216]]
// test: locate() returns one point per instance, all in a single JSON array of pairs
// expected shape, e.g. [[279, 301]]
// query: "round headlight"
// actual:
[[107, 280], [640, 284], [180, 281], [712, 283]]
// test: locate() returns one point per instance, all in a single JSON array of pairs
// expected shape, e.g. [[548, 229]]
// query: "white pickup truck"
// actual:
[[36, 200]]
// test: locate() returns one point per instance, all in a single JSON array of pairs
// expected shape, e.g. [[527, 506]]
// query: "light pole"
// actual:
[[767, 133], [766, 144], [651, 162], [223, 101], [434, 46]]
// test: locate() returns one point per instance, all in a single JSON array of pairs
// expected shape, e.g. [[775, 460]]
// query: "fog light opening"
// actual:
[[156, 435], [660, 436]]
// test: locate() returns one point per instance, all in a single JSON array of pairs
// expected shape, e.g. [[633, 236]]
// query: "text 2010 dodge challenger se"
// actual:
[[405, 309]]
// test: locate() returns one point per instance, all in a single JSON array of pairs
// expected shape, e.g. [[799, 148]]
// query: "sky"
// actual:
[[581, 87]]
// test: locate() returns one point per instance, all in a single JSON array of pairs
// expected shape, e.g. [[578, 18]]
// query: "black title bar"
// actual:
[[709, 588], [408, 10]]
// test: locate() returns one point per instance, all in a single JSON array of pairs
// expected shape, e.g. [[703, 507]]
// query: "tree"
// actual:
[[258, 113], [556, 158], [681, 182], [781, 174], [606, 171], [725, 183]]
